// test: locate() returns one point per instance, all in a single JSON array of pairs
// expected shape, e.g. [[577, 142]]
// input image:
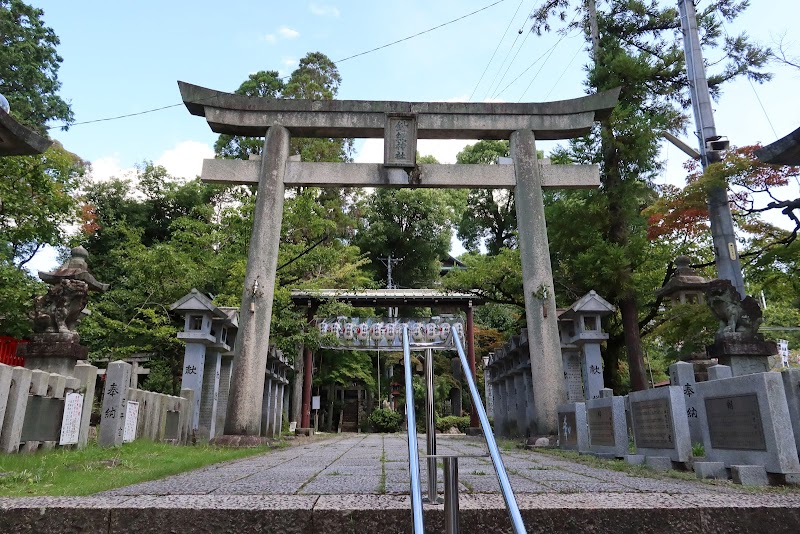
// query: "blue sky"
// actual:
[[125, 57]]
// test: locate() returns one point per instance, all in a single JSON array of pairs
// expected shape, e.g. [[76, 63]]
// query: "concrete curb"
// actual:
[[598, 513]]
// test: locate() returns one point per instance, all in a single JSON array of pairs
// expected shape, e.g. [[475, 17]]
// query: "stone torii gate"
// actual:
[[400, 124]]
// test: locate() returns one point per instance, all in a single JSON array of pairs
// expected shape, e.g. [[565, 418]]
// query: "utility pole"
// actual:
[[726, 256], [389, 282]]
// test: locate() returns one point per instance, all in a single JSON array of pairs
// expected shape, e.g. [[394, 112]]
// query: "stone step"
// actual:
[[598, 513]]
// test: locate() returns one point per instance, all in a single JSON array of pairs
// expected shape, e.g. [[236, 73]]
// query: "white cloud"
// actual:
[[288, 33], [103, 169], [45, 260], [323, 10], [270, 38], [444, 150], [289, 61], [185, 160]]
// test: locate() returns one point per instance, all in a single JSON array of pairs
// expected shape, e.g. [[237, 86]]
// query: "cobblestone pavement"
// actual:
[[373, 464]]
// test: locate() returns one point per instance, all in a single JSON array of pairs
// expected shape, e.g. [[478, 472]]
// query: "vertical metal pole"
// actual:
[[494, 452], [430, 427], [719, 212], [473, 415], [451, 525], [413, 453]]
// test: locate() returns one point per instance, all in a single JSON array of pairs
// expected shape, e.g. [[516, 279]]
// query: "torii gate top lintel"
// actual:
[[234, 114]]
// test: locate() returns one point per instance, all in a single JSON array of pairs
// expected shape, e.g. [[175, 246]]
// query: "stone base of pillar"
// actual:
[[53, 352], [304, 432], [742, 354], [242, 442], [474, 431]]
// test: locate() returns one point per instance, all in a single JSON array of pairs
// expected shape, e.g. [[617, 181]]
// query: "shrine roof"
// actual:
[[387, 297]]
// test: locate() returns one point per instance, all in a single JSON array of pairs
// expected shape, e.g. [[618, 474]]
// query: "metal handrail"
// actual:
[[413, 453], [499, 467]]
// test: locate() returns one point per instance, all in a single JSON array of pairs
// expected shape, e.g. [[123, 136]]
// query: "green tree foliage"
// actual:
[[155, 238], [37, 193], [637, 48], [316, 78], [29, 66], [412, 225], [490, 216], [37, 201], [265, 84]]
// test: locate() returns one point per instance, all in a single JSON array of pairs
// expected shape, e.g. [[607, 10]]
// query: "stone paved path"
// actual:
[[378, 464], [359, 484]]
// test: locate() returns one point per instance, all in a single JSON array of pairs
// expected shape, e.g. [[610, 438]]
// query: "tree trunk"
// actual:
[[633, 343]]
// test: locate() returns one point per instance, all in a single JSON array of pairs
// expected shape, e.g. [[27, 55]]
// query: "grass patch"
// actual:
[[382, 483], [62, 472]]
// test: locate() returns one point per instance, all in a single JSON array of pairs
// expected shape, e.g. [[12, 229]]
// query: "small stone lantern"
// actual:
[[685, 286], [207, 332], [586, 335]]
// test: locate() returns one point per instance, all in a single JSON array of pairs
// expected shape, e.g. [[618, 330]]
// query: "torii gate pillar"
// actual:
[[252, 339], [537, 279]]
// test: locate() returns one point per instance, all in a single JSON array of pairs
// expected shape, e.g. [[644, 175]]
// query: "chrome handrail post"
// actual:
[[430, 427], [413, 453], [499, 467]]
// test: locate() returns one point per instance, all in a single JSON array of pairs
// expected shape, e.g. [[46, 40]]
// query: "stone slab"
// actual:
[[659, 422], [749, 475], [718, 372], [746, 422], [87, 374], [714, 470], [115, 399], [682, 374], [15, 410], [573, 432], [659, 463], [5, 385], [791, 387], [608, 429], [635, 459]]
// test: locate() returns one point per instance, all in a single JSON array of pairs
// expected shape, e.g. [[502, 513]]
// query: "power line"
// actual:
[[284, 77], [503, 77], [753, 87], [563, 71], [522, 29], [549, 52], [552, 50], [497, 48], [420, 33], [523, 72]]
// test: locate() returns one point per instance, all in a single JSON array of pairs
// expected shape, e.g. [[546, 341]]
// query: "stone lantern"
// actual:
[[685, 286], [581, 329], [208, 333]]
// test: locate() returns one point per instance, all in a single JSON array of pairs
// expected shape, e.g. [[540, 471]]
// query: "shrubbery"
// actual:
[[385, 420], [443, 424]]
